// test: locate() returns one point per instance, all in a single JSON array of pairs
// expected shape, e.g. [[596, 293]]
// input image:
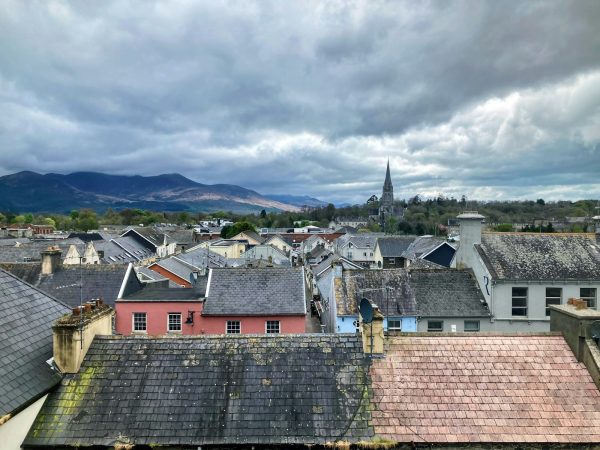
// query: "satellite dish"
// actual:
[[366, 310], [595, 330]]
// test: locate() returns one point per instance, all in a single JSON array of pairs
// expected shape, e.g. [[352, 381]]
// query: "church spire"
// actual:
[[388, 179]]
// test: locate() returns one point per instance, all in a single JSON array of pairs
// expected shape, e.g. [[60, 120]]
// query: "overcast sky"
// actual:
[[494, 100]]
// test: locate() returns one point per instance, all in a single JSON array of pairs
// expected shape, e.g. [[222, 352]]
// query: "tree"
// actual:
[[540, 201], [405, 228], [263, 214], [504, 227], [229, 231], [86, 220], [330, 211], [19, 219], [391, 225], [49, 221]]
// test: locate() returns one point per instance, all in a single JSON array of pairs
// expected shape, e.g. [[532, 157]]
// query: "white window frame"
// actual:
[[519, 297], [233, 322], [145, 330], [591, 301], [169, 323], [552, 298], [272, 322]]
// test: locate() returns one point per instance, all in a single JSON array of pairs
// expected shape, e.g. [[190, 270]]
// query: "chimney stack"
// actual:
[[596, 220], [73, 334], [471, 224], [373, 330], [51, 260]]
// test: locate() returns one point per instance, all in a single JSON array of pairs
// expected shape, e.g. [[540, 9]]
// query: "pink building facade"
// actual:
[[155, 318]]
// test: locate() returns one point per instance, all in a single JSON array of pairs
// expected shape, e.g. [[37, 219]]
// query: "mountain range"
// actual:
[[33, 192]]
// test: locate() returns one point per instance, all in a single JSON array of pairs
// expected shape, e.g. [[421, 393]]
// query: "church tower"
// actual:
[[386, 203]]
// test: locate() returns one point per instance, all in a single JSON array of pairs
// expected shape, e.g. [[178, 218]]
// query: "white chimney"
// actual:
[[471, 224], [51, 260]]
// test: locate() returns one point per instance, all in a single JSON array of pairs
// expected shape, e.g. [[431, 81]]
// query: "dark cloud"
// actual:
[[490, 98]]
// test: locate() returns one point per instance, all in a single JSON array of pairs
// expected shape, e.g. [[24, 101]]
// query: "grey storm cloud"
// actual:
[[484, 98]]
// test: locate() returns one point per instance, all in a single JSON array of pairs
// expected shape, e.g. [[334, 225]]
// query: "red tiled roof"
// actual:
[[483, 389]]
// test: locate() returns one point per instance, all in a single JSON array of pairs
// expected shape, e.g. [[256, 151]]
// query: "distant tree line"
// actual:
[[421, 216]]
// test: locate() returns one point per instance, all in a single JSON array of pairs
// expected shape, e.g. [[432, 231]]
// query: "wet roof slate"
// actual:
[[532, 256], [298, 389], [407, 292], [391, 247], [99, 281], [256, 291], [26, 316]]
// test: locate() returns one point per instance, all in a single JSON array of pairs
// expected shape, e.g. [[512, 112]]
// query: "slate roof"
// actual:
[[265, 251], [326, 264], [99, 281], [182, 237], [153, 236], [421, 245], [533, 256], [388, 289], [124, 249], [32, 250], [392, 247], [149, 273], [202, 257], [494, 389], [447, 293], [366, 240], [318, 252], [251, 234], [176, 267], [148, 293], [402, 292], [26, 316], [299, 389], [256, 292]]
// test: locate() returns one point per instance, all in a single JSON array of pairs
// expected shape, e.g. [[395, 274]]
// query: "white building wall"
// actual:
[[536, 319], [13, 432]]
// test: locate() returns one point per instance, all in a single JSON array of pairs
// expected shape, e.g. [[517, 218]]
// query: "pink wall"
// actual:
[[157, 314], [254, 325]]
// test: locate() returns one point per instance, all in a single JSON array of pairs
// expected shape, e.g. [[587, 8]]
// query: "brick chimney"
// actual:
[[51, 260], [471, 224], [373, 330], [73, 334]]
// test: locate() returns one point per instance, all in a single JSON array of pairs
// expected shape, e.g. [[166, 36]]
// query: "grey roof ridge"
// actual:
[[140, 235], [38, 289]]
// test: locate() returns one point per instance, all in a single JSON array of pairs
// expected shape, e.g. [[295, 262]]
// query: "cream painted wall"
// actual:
[[13, 432]]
